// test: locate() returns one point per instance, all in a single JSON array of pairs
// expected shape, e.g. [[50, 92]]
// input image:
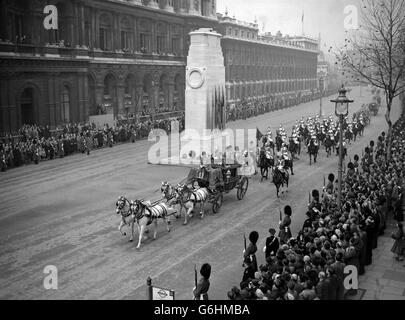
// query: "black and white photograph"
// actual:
[[202, 150]]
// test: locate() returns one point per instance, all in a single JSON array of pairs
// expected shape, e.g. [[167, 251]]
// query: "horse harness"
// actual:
[[195, 194], [151, 215]]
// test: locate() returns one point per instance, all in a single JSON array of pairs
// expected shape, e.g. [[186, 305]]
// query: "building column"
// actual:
[[51, 101], [80, 22], [99, 93], [95, 26], [136, 35], [153, 4], [171, 95], [138, 103], [169, 6], [153, 45], [228, 91], [4, 124], [155, 97], [116, 33], [82, 90], [192, 9], [120, 95]]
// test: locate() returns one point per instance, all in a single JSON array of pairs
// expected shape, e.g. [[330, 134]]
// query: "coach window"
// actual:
[[105, 33]]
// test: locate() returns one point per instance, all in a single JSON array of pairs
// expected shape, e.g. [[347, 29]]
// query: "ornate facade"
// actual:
[[127, 56]]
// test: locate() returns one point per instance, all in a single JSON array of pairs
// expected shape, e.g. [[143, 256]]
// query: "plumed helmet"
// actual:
[[287, 210]]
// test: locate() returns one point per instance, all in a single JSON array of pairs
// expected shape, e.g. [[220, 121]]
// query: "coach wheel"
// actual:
[[243, 186], [217, 203]]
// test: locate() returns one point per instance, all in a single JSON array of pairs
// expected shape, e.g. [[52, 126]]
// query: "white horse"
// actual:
[[188, 198], [123, 207], [169, 193], [145, 213]]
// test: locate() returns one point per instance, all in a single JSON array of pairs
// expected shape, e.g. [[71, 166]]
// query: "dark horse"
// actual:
[[294, 148], [266, 161], [279, 178], [313, 151], [329, 144], [289, 164]]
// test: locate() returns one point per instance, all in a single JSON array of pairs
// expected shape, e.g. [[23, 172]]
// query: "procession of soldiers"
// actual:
[[312, 134]]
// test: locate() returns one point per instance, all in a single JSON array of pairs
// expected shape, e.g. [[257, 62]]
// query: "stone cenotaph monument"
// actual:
[[205, 101]]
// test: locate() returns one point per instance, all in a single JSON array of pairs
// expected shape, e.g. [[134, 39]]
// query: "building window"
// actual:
[[236, 33], [124, 41], [161, 48], [105, 33], [126, 35], [103, 39], [176, 46], [145, 43], [145, 36]]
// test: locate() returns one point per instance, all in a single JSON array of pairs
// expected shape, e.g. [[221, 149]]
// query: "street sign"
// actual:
[[162, 294]]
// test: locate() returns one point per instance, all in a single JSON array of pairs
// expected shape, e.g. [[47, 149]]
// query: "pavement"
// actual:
[[62, 213], [384, 279]]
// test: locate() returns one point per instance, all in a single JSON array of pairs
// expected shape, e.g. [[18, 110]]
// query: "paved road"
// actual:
[[61, 213]]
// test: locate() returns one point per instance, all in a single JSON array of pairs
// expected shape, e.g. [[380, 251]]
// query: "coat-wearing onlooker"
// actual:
[[338, 268], [272, 244], [399, 245]]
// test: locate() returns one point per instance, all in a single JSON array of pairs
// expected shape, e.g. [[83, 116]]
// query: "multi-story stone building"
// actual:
[[266, 66], [129, 56]]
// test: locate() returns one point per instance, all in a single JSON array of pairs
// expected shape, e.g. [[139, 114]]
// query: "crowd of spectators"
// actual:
[[256, 106], [311, 266], [35, 143]]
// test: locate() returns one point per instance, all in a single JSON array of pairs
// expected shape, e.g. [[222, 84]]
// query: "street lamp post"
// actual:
[[341, 110]]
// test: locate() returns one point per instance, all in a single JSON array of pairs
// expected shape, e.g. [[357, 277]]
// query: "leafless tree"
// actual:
[[375, 53]]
